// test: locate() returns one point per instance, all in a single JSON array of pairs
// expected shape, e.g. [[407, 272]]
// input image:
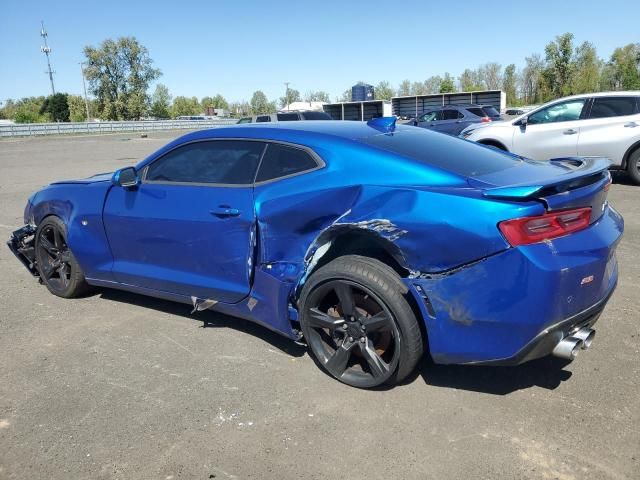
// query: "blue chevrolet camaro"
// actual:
[[373, 242]]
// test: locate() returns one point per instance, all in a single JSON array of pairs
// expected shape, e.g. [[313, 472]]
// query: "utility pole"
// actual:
[[84, 87], [287, 94], [46, 50]]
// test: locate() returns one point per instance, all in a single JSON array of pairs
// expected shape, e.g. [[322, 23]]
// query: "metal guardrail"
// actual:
[[34, 129]]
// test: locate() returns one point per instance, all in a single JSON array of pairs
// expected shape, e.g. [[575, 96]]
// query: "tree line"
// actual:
[[564, 69], [119, 73]]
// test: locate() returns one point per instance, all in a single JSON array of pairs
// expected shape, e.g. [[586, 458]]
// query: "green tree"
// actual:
[[57, 107], [317, 96], [405, 88], [345, 97], [587, 69], [418, 88], [531, 79], [161, 102], [560, 67], [623, 70], [185, 106], [260, 104], [509, 84], [77, 108], [294, 96], [383, 91], [470, 80], [119, 73], [27, 110], [432, 85], [491, 75], [447, 85]]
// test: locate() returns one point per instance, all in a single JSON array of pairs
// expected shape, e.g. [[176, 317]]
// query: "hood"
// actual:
[[99, 177]]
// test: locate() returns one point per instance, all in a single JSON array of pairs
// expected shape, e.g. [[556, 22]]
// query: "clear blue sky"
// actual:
[[236, 47]]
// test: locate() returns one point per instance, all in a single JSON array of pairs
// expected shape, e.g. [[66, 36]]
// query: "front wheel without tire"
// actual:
[[357, 323], [58, 268]]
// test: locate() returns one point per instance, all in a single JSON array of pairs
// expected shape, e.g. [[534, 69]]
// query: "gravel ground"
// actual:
[[122, 386]]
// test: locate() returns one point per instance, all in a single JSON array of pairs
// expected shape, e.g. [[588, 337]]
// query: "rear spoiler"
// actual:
[[575, 168]]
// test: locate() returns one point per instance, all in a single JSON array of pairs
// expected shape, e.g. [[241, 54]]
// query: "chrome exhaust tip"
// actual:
[[586, 335], [568, 348]]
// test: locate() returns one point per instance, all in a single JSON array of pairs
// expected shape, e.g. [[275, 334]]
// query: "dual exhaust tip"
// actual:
[[569, 347]]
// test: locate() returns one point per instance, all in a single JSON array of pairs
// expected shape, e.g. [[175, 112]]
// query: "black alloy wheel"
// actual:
[[357, 323]]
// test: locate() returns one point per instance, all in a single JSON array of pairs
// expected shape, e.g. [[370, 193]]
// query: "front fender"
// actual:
[[79, 206]]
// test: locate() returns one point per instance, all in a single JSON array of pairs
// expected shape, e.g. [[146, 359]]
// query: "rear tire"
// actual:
[[59, 270], [357, 323], [633, 166]]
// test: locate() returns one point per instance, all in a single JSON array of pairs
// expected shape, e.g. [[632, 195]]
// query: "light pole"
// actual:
[[287, 94], [84, 87]]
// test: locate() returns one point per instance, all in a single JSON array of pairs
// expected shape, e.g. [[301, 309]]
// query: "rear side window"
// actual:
[[451, 115], [428, 117], [287, 117], [245, 120], [613, 107], [230, 162], [451, 154], [316, 116], [282, 161], [490, 111], [476, 111], [263, 118]]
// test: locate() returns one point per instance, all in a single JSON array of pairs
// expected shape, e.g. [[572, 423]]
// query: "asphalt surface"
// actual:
[[123, 386]]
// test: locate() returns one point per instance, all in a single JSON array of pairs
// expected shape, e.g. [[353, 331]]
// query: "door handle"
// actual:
[[571, 131], [225, 211], [631, 125]]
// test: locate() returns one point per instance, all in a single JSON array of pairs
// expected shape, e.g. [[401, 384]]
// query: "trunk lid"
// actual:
[[561, 183]]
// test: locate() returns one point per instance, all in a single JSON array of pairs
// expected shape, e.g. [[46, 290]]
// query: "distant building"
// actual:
[[304, 106]]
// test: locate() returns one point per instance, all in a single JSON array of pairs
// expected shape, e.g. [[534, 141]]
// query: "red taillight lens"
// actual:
[[485, 120], [528, 230]]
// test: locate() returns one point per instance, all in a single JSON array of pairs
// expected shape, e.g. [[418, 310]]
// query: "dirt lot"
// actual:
[[122, 386]]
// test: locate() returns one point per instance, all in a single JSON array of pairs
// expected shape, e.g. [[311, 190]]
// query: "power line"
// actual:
[[46, 50]]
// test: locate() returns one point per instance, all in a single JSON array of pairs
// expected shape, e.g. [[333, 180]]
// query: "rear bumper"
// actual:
[[21, 243], [544, 343], [516, 305]]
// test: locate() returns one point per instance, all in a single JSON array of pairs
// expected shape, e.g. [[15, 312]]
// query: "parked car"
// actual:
[[598, 124], [452, 119], [514, 111], [286, 117], [372, 242]]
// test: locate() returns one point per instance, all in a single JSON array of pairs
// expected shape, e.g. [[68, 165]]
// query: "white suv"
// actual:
[[603, 124]]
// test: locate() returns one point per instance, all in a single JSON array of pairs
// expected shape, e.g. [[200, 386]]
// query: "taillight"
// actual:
[[528, 230], [485, 120]]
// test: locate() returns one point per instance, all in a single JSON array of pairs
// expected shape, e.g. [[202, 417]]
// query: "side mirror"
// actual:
[[523, 122], [126, 177]]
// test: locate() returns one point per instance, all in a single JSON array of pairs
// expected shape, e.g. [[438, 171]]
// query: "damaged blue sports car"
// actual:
[[374, 243]]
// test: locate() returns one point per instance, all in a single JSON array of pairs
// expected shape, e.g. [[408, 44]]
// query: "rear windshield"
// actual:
[[491, 111], [476, 111], [448, 153], [316, 116]]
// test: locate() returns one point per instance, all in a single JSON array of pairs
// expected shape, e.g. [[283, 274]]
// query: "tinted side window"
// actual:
[[451, 115], [316, 116], [560, 112], [263, 118], [285, 117], [232, 162], [245, 120], [281, 161], [613, 107]]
